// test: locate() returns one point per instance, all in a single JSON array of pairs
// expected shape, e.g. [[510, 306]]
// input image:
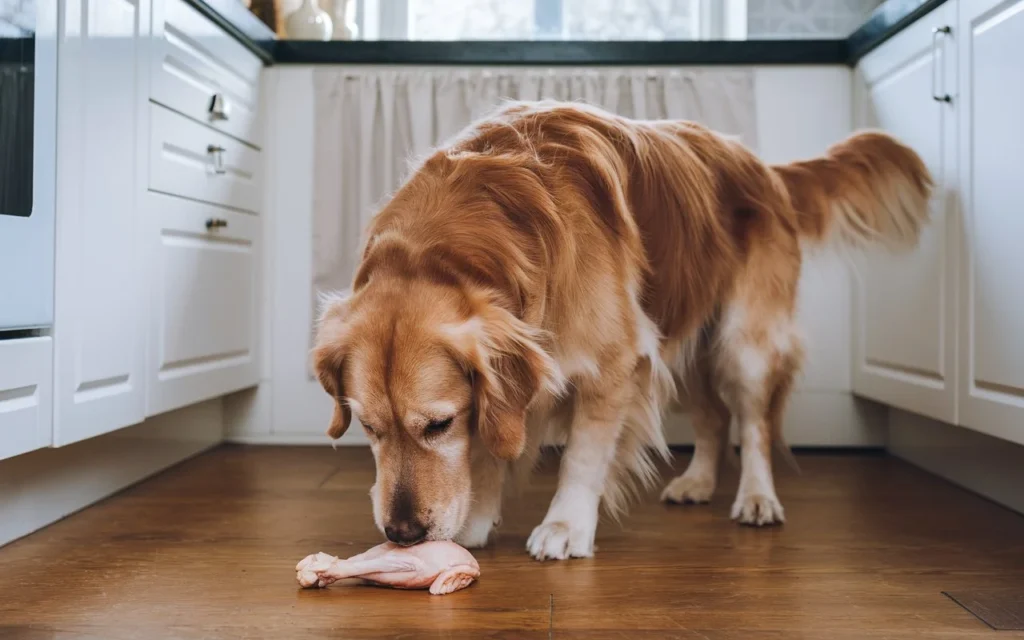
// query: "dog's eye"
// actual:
[[437, 427], [368, 428]]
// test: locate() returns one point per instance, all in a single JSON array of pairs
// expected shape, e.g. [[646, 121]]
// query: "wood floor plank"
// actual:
[[207, 550]]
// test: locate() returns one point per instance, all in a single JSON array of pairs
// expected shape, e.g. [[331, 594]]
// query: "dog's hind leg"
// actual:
[[757, 356], [710, 419]]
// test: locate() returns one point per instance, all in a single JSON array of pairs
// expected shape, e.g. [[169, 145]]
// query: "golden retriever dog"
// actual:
[[559, 267]]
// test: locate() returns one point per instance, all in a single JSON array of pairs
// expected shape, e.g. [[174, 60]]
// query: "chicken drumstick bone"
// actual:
[[444, 567]]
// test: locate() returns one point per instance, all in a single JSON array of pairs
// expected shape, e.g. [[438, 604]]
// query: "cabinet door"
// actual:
[[99, 302], [991, 40], [905, 304], [204, 302]]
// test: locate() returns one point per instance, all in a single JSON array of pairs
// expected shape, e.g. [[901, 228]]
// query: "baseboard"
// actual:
[[42, 487], [292, 439], [813, 419], [988, 466]]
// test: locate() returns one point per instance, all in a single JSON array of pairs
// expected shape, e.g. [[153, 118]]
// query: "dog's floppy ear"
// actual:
[[329, 359], [508, 367]]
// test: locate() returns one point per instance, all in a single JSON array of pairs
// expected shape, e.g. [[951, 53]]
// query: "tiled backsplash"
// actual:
[[806, 18]]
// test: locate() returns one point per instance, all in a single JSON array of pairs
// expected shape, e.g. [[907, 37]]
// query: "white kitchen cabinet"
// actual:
[[204, 301], [26, 385], [202, 72], [99, 331], [905, 325], [991, 104]]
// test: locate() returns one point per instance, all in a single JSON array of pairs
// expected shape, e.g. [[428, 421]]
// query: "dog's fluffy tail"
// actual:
[[867, 189]]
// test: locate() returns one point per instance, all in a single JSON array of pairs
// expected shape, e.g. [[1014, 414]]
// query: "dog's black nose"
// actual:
[[406, 533]]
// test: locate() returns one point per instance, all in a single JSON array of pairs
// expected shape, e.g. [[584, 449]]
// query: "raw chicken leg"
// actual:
[[443, 566]]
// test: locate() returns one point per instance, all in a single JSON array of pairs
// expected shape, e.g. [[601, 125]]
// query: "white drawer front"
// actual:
[[193, 161], [194, 62], [26, 384], [204, 302]]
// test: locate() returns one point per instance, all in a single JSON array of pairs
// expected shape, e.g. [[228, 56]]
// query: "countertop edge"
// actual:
[[891, 17], [241, 24], [888, 19], [563, 53]]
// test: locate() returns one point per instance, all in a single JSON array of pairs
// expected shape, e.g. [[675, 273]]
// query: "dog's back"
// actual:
[[697, 208]]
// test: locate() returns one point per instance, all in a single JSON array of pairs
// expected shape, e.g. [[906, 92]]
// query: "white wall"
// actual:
[[801, 110]]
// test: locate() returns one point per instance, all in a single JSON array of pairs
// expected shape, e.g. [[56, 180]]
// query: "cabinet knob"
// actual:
[[217, 152], [219, 107], [216, 223]]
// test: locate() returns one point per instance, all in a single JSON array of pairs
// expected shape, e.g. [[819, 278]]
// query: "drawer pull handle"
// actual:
[[216, 223], [217, 152], [219, 107]]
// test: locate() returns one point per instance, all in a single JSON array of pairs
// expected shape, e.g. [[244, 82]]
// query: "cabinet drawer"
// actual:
[[26, 383], [193, 161], [202, 72], [204, 305]]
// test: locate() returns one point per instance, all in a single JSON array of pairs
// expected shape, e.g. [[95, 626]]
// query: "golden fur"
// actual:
[[558, 266]]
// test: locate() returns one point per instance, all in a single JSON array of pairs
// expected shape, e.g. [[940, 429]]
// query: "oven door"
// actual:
[[28, 94]]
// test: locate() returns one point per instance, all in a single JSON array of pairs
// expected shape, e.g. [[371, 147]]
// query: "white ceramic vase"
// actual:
[[309, 22], [346, 29]]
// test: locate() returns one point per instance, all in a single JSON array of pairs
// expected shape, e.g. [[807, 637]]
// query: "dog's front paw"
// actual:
[[758, 509], [476, 533], [689, 488], [561, 540]]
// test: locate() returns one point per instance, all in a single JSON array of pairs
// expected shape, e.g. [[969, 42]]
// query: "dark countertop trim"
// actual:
[[561, 53], [888, 19], [242, 24]]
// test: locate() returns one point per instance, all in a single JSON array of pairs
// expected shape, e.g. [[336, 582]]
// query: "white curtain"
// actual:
[[372, 120]]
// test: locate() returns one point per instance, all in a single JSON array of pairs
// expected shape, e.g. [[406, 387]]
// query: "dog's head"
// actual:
[[430, 371]]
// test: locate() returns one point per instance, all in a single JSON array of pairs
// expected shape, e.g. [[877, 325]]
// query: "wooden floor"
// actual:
[[207, 550]]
